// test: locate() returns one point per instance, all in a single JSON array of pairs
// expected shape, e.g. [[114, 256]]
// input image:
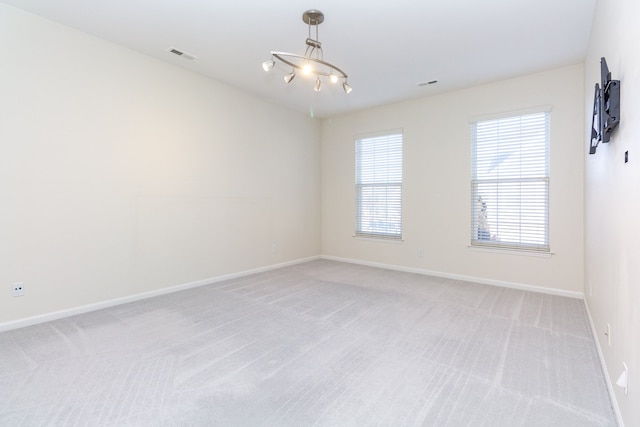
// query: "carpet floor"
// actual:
[[322, 343]]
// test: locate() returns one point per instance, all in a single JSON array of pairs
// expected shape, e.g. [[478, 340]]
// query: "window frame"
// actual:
[[389, 208], [531, 240]]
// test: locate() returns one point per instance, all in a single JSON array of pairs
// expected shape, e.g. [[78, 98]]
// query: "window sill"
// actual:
[[379, 239], [510, 251]]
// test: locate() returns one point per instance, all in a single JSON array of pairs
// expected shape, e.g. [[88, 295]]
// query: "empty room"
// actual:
[[322, 214]]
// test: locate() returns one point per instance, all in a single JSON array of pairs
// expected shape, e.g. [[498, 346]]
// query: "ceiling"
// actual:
[[386, 48]]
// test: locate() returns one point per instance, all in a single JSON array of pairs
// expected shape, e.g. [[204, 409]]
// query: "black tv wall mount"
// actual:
[[606, 108]]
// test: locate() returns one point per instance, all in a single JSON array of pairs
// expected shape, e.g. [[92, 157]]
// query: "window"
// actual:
[[379, 186], [510, 182]]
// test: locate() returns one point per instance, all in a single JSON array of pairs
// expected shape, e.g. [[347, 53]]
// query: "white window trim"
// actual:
[[514, 249], [511, 113], [373, 236], [510, 251]]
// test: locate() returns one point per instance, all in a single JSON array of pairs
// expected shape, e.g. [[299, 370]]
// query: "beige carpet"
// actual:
[[317, 344]]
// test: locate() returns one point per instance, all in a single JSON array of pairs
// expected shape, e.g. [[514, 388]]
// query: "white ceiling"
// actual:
[[385, 47]]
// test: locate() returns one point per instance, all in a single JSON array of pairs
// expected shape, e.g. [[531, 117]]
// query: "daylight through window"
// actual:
[[510, 182], [379, 186]]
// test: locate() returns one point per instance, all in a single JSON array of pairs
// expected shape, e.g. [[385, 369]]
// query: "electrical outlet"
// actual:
[[17, 289], [420, 253], [608, 334], [274, 249]]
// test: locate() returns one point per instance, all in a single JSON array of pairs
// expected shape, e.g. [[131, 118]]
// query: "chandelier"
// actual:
[[312, 63]]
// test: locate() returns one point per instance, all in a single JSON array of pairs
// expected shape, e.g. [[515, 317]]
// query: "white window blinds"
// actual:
[[379, 186], [510, 182]]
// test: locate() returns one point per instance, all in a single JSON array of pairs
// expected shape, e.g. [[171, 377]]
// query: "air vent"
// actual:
[[182, 54], [432, 82]]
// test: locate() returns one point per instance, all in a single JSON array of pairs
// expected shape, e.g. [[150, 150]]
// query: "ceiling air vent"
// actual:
[[182, 54], [431, 82]]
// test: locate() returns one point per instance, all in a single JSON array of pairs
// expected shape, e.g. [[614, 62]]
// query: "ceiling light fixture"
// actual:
[[312, 63]]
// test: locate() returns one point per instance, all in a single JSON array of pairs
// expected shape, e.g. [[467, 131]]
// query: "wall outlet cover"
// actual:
[[17, 289]]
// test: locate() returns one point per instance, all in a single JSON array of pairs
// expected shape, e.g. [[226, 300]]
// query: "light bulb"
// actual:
[[333, 78], [268, 65], [306, 69], [289, 77], [316, 87]]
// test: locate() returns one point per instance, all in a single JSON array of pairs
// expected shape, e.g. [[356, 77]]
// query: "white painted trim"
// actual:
[[28, 321], [510, 251], [605, 371], [483, 281], [375, 134], [379, 239], [503, 114], [47, 317]]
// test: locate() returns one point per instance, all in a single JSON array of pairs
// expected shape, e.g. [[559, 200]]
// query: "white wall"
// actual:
[[436, 184], [612, 201], [120, 174]]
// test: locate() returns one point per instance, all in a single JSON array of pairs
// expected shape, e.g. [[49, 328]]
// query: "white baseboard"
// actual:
[[605, 370], [28, 321], [503, 284], [580, 295]]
